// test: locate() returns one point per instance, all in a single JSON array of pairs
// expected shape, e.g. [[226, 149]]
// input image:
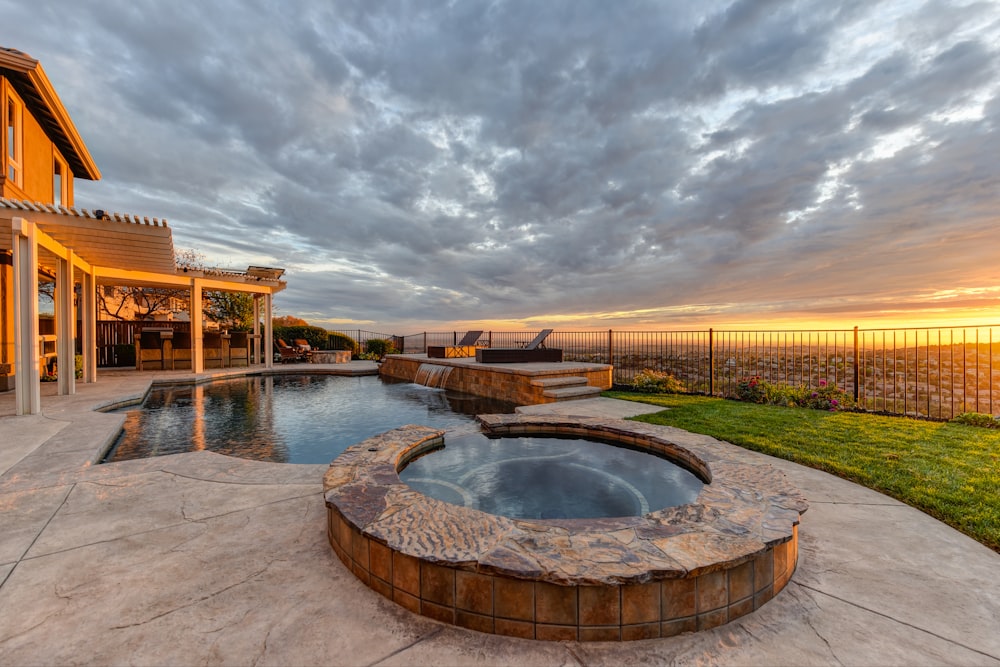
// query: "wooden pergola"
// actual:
[[92, 248]]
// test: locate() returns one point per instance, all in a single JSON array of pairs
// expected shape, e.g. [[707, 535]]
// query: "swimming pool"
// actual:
[[288, 418]]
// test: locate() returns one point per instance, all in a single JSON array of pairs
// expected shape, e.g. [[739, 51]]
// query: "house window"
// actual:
[[60, 182], [15, 150]]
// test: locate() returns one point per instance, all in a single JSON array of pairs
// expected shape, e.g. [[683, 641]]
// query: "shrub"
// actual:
[[976, 419], [338, 341], [316, 336], [377, 348], [824, 397], [656, 382]]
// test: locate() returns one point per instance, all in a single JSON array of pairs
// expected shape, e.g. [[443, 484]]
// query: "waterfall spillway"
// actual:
[[432, 375]]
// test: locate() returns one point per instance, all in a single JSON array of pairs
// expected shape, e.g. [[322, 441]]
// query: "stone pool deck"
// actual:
[[202, 559]]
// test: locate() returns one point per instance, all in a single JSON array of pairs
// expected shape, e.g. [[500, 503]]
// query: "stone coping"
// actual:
[[675, 570]]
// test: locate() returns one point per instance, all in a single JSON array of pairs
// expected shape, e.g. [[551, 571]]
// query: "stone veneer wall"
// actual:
[[677, 570], [504, 605], [513, 384]]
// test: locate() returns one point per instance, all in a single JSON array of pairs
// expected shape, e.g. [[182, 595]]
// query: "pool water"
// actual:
[[548, 477], [288, 418]]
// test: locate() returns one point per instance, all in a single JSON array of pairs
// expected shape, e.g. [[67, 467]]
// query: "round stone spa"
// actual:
[[679, 568]]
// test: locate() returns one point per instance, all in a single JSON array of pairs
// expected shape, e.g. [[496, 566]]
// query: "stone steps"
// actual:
[[570, 393], [566, 388], [551, 383]]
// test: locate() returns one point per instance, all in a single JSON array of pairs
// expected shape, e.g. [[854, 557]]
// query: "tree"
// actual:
[[232, 308], [121, 302], [289, 321]]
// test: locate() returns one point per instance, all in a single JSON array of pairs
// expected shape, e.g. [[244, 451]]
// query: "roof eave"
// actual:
[[20, 62]]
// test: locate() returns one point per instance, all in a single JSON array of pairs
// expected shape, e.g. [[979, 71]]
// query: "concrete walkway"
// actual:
[[203, 559]]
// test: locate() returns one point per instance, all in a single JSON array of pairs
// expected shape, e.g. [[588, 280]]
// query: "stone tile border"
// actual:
[[675, 570]]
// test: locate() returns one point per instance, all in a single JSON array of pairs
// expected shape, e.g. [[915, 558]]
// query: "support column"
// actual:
[[65, 325], [256, 328], [197, 344], [6, 315], [27, 391], [268, 332], [88, 297]]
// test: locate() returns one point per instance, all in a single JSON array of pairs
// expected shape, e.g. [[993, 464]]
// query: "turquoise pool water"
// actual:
[[288, 418]]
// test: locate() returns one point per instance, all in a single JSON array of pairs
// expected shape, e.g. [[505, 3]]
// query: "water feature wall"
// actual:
[[432, 375], [523, 384]]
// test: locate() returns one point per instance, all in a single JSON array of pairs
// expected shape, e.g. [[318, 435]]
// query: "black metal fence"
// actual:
[[921, 372]]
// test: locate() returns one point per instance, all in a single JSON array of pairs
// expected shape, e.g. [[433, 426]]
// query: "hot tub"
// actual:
[[678, 569]]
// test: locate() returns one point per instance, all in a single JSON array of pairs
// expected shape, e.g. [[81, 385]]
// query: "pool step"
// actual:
[[565, 388], [570, 393], [550, 383]]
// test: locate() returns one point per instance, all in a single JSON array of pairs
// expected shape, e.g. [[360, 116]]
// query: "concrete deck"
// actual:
[[203, 559]]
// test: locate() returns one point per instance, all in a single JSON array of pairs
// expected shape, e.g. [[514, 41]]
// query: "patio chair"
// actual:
[[152, 341], [180, 348], [463, 348], [532, 352], [212, 348], [239, 343]]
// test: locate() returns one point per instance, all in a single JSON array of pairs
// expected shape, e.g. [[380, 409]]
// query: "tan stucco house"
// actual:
[[41, 231]]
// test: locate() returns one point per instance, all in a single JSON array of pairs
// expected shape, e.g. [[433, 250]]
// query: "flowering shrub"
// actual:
[[656, 382], [752, 390], [824, 397]]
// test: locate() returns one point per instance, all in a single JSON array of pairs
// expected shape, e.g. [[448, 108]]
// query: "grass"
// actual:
[[950, 471]]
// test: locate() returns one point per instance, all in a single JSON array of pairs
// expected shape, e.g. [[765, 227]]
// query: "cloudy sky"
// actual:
[[435, 165]]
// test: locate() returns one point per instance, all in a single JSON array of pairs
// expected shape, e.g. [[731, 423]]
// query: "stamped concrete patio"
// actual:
[[202, 559]]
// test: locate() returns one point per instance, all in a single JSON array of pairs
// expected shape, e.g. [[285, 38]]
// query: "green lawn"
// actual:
[[949, 471]]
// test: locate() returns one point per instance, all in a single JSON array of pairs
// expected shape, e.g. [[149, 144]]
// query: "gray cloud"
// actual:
[[416, 165]]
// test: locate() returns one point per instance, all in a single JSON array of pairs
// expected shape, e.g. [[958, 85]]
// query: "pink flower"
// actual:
[[834, 403], [822, 383]]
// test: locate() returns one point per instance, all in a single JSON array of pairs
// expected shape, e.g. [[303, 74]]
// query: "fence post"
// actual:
[[611, 349], [857, 368], [711, 362], [454, 338], [425, 341]]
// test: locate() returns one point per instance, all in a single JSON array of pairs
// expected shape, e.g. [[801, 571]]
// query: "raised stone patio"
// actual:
[[674, 570]]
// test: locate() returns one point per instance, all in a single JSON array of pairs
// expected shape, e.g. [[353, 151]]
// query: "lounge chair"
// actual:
[[286, 353], [303, 346], [533, 351], [463, 348]]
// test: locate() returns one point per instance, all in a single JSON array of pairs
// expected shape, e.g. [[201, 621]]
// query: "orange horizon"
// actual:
[[944, 319]]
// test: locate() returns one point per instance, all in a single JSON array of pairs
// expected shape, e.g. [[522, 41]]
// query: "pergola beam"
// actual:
[[34, 247]]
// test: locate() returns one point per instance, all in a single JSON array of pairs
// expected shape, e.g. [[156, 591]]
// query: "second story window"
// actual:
[[15, 171], [60, 182]]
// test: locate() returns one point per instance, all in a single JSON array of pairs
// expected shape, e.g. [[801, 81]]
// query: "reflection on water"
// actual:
[[548, 478], [288, 419]]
